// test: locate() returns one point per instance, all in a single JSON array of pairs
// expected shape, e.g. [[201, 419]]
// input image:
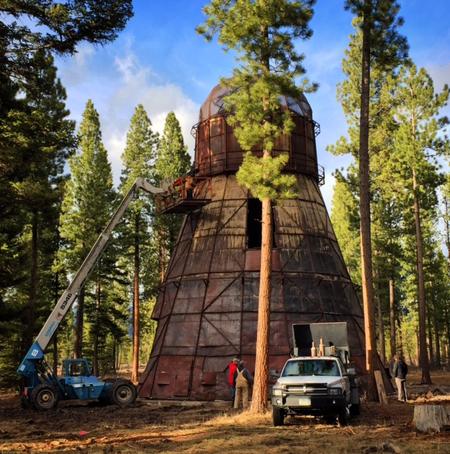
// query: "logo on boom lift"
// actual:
[[64, 304]]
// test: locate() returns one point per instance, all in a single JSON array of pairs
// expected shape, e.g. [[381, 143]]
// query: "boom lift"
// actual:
[[43, 389]]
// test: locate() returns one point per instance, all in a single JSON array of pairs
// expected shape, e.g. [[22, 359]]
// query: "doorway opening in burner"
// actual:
[[254, 215]]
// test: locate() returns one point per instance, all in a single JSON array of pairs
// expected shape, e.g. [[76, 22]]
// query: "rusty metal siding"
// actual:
[[207, 306]]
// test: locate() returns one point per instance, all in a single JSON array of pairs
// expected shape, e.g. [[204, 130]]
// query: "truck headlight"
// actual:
[[277, 392], [334, 391]]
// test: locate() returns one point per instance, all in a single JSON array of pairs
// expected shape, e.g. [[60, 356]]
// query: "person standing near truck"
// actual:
[[242, 379], [232, 367], [399, 372]]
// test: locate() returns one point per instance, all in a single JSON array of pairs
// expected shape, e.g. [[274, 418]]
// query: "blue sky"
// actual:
[[160, 62]]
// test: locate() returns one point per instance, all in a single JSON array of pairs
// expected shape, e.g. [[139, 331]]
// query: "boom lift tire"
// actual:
[[123, 393], [44, 397], [277, 416]]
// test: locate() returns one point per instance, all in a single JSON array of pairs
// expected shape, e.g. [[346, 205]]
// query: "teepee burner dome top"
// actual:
[[217, 150], [213, 104]]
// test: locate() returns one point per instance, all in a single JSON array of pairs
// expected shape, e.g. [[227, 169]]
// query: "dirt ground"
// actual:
[[194, 427]]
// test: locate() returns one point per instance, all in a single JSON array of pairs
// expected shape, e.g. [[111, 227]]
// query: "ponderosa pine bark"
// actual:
[[364, 208], [32, 297], [392, 317], [79, 325], [260, 391], [136, 302], [423, 356], [98, 295]]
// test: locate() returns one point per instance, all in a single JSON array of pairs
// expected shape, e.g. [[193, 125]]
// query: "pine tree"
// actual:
[[40, 137], [138, 160], [262, 33], [86, 206], [383, 46], [172, 161], [345, 220], [55, 26], [416, 172]]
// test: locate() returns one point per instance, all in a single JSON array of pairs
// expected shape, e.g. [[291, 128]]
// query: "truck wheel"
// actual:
[[277, 416], [44, 397], [123, 393], [355, 410]]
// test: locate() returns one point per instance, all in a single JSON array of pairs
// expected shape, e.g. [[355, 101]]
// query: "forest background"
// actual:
[[145, 74]]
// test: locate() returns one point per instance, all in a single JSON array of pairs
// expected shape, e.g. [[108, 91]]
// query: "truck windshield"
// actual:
[[302, 367]]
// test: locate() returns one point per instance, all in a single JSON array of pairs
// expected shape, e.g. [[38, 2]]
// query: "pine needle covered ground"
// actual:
[[175, 427]]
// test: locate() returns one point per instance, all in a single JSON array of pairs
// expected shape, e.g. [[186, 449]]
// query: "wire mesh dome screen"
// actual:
[[218, 151]]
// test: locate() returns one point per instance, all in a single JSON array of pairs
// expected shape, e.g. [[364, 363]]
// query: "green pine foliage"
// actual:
[[87, 203], [173, 161], [55, 26], [262, 33], [345, 220], [38, 137], [136, 234]]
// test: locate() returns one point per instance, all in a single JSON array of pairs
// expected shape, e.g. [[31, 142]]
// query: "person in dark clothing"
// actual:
[[399, 372], [242, 379]]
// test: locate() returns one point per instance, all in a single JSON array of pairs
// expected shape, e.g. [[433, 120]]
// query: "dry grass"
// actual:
[[176, 427]]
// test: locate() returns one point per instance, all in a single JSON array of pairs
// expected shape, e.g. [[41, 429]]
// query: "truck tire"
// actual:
[[44, 397], [277, 416], [123, 393]]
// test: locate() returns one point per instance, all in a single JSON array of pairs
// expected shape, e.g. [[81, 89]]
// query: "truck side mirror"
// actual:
[[351, 371]]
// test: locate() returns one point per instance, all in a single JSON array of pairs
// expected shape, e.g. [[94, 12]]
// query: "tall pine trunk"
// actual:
[[400, 348], [79, 325], [392, 317], [447, 326], [96, 327], [364, 208], [135, 362], [32, 295], [259, 396], [447, 227], [423, 356], [381, 338], [430, 338]]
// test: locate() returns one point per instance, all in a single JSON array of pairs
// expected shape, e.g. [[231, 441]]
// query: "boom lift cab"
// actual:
[[42, 388]]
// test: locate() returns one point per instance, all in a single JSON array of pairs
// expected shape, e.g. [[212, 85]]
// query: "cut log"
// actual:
[[432, 418]]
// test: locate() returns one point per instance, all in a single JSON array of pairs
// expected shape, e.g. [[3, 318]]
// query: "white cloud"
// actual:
[[117, 83], [139, 85], [74, 73]]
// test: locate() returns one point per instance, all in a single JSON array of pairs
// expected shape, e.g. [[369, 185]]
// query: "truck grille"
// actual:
[[309, 389]]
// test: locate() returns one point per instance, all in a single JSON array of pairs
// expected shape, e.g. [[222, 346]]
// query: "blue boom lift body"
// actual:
[[42, 388]]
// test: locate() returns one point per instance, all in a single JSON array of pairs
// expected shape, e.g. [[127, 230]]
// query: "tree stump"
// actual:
[[432, 417]]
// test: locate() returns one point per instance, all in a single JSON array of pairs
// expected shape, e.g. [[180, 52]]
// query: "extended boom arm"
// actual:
[[66, 300]]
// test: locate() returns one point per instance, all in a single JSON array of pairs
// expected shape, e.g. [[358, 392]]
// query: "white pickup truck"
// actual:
[[315, 386]]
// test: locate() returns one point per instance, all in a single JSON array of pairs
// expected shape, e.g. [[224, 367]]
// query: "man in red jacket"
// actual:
[[232, 367]]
